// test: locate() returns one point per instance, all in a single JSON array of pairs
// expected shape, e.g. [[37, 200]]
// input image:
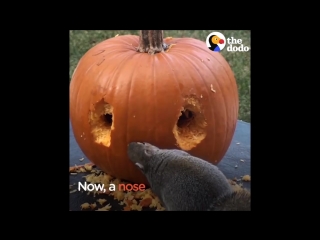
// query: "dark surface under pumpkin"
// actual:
[[238, 150]]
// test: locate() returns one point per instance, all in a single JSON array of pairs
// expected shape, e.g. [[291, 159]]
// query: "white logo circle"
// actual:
[[220, 45]]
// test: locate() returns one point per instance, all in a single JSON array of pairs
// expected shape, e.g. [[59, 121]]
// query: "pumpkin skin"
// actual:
[[145, 95]]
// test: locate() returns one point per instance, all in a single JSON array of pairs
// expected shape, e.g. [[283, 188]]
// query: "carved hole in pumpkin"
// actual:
[[101, 120], [107, 118], [190, 128], [185, 118]]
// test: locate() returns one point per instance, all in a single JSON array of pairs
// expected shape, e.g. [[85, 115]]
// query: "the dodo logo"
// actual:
[[216, 41]]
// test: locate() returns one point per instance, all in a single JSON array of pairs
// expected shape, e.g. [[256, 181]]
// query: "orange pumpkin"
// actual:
[[172, 92]]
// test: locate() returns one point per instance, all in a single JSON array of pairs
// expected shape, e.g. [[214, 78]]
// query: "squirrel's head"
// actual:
[[140, 153]]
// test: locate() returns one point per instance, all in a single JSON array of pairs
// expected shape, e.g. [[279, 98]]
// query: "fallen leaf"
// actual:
[[246, 178]]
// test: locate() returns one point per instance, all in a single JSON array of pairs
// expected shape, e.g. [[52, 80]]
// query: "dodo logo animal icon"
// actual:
[[216, 41]]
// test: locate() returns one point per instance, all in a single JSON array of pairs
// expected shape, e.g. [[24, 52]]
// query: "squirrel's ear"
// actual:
[[139, 165]]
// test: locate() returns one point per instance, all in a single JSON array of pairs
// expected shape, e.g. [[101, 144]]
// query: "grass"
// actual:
[[82, 40]]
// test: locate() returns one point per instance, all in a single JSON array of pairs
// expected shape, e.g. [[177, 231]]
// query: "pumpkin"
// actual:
[[174, 93]]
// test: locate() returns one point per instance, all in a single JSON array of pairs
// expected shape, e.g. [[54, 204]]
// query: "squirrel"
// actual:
[[184, 182]]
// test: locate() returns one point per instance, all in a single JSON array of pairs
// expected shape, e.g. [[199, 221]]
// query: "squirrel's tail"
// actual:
[[236, 201]]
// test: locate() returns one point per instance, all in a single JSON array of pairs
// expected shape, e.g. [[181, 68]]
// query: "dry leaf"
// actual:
[[85, 206], [88, 166], [159, 207], [128, 202], [105, 191], [127, 208], [139, 195], [89, 177], [246, 178], [129, 195], [233, 182], [136, 207], [118, 195], [81, 170], [153, 203], [93, 178], [73, 169], [148, 191], [148, 195], [105, 179], [105, 208], [145, 202], [116, 181], [236, 187], [101, 201]]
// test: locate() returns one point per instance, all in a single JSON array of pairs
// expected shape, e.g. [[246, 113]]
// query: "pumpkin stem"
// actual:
[[151, 41]]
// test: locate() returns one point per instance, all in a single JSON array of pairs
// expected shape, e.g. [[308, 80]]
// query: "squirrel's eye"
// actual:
[[147, 152]]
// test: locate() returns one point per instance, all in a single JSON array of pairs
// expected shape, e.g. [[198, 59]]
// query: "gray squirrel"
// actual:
[[186, 183]]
